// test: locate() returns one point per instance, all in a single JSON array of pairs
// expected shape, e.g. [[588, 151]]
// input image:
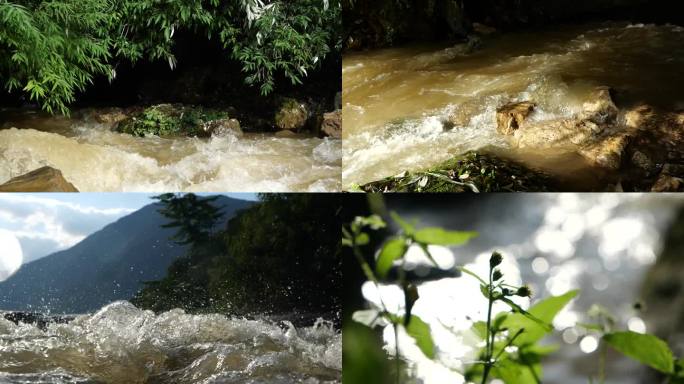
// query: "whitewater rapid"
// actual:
[[395, 100], [123, 344], [94, 158]]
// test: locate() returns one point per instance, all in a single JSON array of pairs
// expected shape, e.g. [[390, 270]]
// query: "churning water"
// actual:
[[395, 99], [94, 158], [123, 344]]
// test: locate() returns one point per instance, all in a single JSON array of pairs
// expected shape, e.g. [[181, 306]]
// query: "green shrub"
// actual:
[[52, 49]]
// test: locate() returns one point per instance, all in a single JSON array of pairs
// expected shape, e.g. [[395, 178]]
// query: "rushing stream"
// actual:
[[122, 344], [395, 99], [94, 158]]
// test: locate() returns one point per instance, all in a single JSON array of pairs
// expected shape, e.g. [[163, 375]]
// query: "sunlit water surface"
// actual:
[[601, 244], [94, 158], [394, 99], [122, 344]]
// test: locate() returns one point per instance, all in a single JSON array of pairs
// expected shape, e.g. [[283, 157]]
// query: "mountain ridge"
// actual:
[[108, 265]]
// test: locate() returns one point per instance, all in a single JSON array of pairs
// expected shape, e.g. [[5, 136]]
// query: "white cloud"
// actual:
[[44, 225]]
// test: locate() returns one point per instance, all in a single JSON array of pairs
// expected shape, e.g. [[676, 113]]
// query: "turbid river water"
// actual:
[[94, 158], [394, 99], [122, 344]]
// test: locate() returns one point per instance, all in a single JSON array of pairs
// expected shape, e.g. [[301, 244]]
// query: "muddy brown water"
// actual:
[[94, 158], [395, 99]]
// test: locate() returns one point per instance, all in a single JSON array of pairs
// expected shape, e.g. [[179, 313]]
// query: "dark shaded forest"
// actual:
[[373, 24], [279, 257]]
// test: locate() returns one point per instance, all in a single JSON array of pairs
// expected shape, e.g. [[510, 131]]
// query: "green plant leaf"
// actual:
[[392, 250], [362, 239], [440, 236], [420, 332], [538, 319], [407, 227], [644, 348]]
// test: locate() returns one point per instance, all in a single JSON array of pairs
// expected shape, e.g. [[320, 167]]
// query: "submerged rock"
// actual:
[[332, 124], [511, 116], [470, 172], [45, 179], [291, 114]]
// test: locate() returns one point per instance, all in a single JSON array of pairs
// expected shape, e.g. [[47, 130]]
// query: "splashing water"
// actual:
[[94, 158], [123, 344], [395, 99]]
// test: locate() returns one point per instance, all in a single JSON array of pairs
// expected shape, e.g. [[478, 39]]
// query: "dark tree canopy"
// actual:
[[51, 49], [280, 255]]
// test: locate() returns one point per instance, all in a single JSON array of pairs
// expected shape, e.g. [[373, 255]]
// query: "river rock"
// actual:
[[110, 116], [600, 108], [606, 151], [286, 134], [222, 127], [642, 161], [511, 116], [560, 133], [332, 124], [292, 115], [667, 183], [45, 179]]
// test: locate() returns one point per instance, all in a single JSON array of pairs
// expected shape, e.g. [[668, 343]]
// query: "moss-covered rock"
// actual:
[[173, 120], [291, 115], [471, 172]]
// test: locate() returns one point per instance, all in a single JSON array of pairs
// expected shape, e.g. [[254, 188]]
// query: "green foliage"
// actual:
[[420, 332], [512, 351], [545, 310], [439, 236], [646, 349], [52, 49], [392, 250], [519, 327], [169, 120]]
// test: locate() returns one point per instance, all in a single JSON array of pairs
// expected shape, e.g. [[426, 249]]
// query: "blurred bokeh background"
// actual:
[[622, 251]]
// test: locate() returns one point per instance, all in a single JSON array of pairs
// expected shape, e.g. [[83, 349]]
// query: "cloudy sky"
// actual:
[[48, 222]]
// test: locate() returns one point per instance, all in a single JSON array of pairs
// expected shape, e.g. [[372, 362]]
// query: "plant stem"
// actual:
[[488, 331], [602, 361]]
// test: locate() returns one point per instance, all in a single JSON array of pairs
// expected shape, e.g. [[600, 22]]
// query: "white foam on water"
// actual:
[[95, 159], [121, 343]]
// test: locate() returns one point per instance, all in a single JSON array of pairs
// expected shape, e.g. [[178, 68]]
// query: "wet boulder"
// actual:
[[560, 133], [221, 127], [292, 115], [511, 116], [667, 183], [45, 179], [111, 116], [600, 108], [606, 151], [332, 124]]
